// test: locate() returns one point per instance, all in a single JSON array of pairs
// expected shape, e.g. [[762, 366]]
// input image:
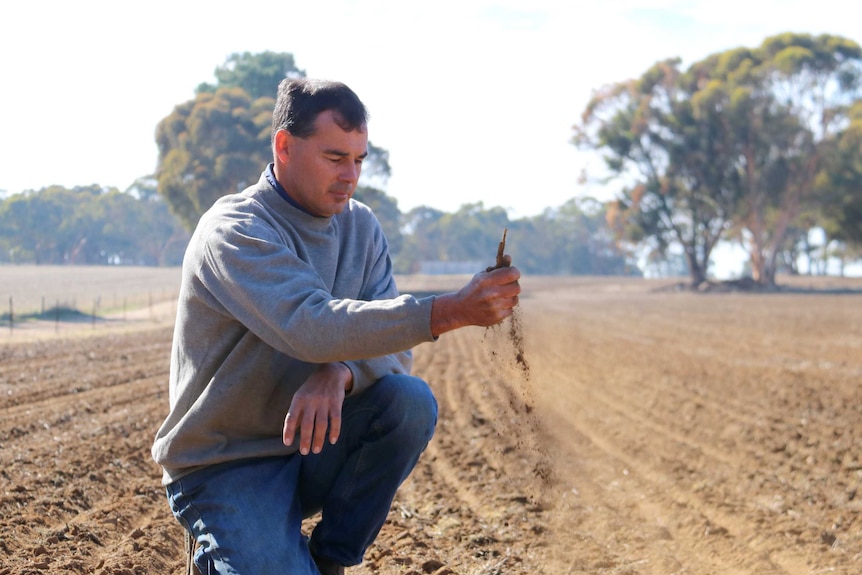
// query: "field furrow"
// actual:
[[652, 433]]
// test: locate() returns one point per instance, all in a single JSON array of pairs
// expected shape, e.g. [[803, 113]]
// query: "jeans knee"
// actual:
[[412, 400]]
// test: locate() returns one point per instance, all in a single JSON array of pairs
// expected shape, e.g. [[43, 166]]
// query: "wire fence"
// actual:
[[76, 295]]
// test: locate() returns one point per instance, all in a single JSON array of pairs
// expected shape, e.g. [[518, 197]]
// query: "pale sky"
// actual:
[[474, 99]]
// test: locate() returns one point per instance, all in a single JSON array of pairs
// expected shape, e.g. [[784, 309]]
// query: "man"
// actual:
[[290, 385]]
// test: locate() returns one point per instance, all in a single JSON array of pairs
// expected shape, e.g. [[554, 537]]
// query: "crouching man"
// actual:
[[290, 385]]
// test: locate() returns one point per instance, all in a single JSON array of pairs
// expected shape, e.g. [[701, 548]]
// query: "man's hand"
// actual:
[[316, 406], [487, 300]]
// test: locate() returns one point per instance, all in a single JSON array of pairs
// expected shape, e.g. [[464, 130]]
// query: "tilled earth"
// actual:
[[639, 432]]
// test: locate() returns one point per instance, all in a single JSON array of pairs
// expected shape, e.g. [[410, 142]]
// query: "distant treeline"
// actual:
[[90, 225]]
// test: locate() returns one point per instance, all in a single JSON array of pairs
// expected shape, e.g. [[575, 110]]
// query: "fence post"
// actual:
[[11, 316]]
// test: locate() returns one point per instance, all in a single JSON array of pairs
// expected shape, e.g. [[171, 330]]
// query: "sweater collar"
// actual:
[[281, 202], [270, 177]]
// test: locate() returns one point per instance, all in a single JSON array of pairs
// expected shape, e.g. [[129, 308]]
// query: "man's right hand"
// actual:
[[316, 408], [488, 299]]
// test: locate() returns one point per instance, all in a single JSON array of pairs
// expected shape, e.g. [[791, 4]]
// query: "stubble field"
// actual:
[[645, 431]]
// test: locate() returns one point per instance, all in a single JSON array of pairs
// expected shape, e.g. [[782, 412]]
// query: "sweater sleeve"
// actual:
[[380, 285], [256, 278]]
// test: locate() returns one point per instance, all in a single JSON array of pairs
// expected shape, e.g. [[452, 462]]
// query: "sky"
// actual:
[[474, 99]]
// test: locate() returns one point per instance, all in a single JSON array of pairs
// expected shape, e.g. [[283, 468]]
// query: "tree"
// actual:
[[420, 228], [33, 224], [375, 168], [799, 90], [385, 207], [672, 149], [731, 145], [257, 74], [211, 146]]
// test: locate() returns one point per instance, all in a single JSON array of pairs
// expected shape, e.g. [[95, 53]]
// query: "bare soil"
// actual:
[[655, 432]]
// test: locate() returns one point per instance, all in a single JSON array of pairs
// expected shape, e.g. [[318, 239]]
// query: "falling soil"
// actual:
[[516, 376], [516, 337]]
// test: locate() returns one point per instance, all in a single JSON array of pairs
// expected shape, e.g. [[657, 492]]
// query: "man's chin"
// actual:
[[340, 203], [336, 208]]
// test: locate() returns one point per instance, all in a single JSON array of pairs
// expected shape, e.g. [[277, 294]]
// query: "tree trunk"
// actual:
[[696, 269]]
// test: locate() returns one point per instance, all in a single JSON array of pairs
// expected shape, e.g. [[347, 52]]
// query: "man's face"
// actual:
[[320, 172]]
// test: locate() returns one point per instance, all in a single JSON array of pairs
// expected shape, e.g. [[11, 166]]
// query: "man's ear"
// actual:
[[281, 146]]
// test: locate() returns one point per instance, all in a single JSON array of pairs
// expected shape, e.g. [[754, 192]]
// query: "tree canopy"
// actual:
[[257, 74], [211, 146], [732, 147]]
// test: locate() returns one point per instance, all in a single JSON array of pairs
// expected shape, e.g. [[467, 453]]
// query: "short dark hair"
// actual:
[[301, 100]]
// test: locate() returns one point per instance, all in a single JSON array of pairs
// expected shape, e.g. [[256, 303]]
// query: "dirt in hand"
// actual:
[[501, 251], [516, 331]]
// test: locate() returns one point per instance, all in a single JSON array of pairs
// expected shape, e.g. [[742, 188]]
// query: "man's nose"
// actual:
[[350, 172]]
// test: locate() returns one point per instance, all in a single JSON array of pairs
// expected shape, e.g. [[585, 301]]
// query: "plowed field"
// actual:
[[650, 432]]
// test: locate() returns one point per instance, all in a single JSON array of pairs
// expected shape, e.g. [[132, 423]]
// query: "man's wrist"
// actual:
[[348, 382], [442, 314]]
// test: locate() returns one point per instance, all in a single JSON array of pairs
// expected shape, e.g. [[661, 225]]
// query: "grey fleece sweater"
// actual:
[[269, 291]]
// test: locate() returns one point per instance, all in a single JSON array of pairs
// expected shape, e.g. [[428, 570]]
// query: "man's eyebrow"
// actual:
[[343, 154]]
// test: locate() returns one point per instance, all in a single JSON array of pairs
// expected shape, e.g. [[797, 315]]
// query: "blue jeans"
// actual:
[[246, 515]]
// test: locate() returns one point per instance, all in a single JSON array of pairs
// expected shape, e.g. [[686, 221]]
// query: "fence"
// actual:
[[76, 295]]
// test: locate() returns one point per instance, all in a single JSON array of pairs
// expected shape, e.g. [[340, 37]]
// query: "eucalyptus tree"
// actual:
[[213, 145], [258, 74], [794, 93], [729, 148], [670, 149]]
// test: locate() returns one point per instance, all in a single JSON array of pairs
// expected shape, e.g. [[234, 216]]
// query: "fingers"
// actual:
[[502, 284], [505, 275], [334, 430], [312, 424], [316, 408], [309, 433], [288, 433]]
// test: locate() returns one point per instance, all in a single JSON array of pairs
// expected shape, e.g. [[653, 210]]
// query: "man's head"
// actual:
[[319, 139], [301, 100]]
